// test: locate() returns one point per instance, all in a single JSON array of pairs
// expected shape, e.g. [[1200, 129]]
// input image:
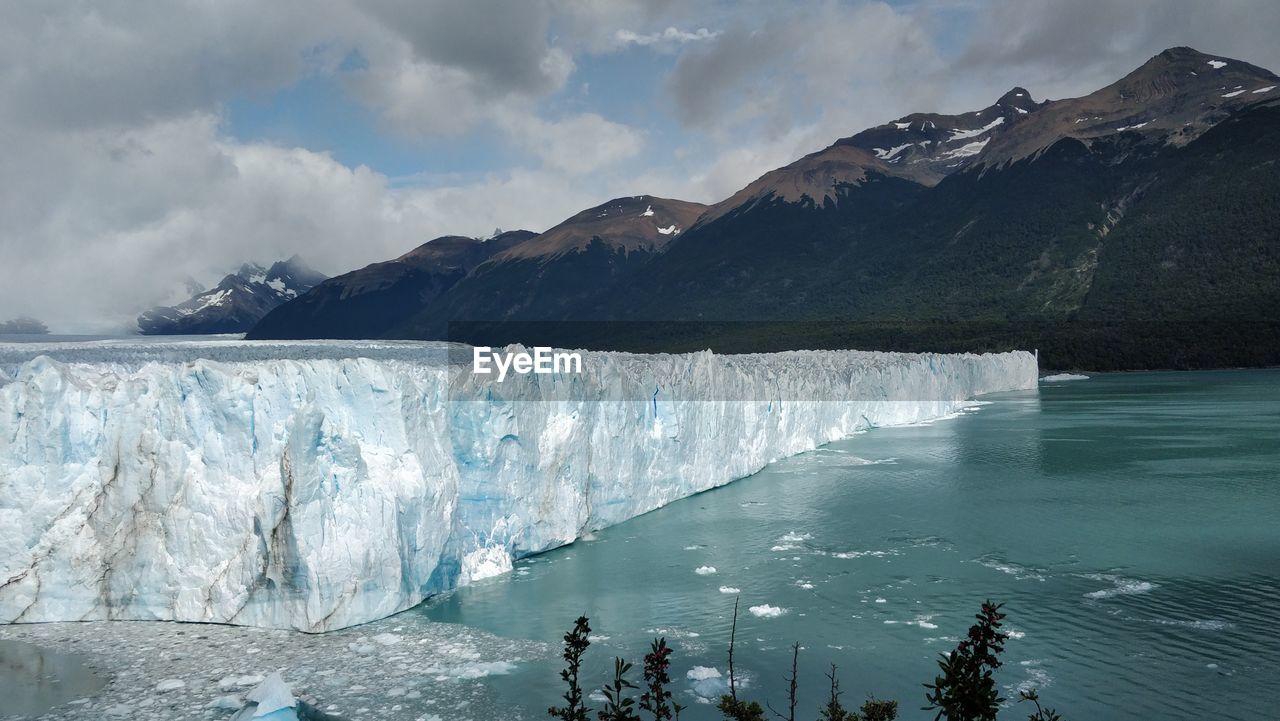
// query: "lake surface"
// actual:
[[1130, 523], [34, 679]]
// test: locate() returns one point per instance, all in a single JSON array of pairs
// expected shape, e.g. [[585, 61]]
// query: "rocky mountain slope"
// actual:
[[236, 304], [550, 276], [1136, 226], [370, 301]]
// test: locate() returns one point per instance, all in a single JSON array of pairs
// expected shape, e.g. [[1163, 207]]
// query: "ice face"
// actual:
[[320, 485]]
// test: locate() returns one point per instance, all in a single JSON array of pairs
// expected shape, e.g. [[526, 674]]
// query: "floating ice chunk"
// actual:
[[271, 695], [730, 589], [482, 669], [229, 702], [1124, 587], [863, 554], [766, 611], [707, 682], [702, 673], [484, 563], [1198, 625], [386, 639], [882, 600], [704, 570], [1021, 573], [1063, 377], [170, 684], [1037, 678]]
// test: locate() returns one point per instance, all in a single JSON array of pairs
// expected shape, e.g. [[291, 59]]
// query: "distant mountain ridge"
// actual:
[[23, 325], [551, 276], [1034, 221], [236, 304], [371, 301]]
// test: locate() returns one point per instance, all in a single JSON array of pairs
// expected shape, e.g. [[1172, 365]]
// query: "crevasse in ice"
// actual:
[[324, 484]]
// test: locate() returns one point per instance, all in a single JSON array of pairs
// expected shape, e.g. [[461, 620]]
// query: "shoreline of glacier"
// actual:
[[319, 485]]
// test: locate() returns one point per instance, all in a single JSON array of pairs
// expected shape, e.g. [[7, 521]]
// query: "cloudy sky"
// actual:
[[141, 142]]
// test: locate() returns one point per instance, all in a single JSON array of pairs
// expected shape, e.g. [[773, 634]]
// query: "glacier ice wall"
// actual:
[[320, 485]]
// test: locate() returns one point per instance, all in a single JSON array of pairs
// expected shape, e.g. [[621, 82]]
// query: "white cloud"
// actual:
[[668, 39], [418, 100], [577, 145], [841, 65], [114, 218], [118, 176], [66, 64]]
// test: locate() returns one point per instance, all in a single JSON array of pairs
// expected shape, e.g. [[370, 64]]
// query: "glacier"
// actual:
[[315, 485]]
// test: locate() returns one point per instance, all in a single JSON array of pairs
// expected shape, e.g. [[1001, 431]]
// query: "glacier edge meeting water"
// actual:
[[320, 485]]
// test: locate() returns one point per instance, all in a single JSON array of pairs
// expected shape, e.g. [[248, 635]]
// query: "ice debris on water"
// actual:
[[272, 699], [433, 668]]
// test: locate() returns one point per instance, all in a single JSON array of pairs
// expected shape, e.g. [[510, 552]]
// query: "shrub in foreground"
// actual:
[[965, 690]]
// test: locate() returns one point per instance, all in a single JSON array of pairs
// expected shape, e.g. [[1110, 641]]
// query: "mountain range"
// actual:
[[23, 325], [1137, 226], [236, 303]]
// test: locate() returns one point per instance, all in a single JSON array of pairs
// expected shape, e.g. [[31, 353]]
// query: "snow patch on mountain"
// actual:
[[884, 154], [967, 150], [966, 134]]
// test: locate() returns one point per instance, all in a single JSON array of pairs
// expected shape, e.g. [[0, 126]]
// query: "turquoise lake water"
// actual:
[[1130, 523]]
